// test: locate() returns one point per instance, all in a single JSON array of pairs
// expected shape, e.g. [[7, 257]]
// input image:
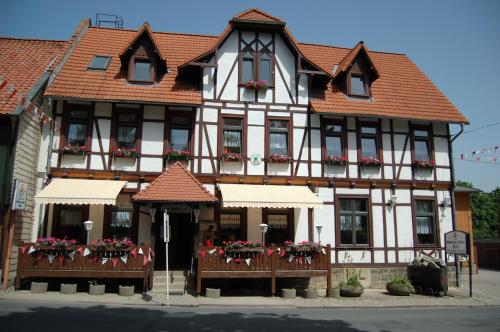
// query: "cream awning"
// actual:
[[77, 191], [268, 196]]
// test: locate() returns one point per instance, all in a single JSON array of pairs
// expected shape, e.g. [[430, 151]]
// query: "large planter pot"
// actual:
[[288, 293], [335, 292], [97, 289], [212, 293], [311, 293], [126, 290], [398, 289], [39, 287], [68, 288], [351, 291]]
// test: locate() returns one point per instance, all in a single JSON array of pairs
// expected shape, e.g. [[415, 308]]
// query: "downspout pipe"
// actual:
[[452, 197]]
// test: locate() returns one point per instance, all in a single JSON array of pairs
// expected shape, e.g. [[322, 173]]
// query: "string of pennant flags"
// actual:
[[489, 154]]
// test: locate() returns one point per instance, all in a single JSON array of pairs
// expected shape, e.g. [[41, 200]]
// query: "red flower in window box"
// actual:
[[258, 85], [335, 160], [74, 149], [279, 158], [177, 154], [232, 156], [369, 162], [426, 164], [124, 152]]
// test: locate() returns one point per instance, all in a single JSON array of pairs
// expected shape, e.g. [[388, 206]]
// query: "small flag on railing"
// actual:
[[61, 259], [269, 252], [229, 259], [247, 260], [308, 260], [104, 260], [203, 253], [141, 252], [133, 252], [51, 258], [114, 261], [211, 252], [72, 255], [290, 258], [32, 249], [23, 249], [124, 259], [220, 252], [86, 252]]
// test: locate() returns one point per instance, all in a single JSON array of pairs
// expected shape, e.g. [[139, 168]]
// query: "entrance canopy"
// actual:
[[268, 196], [78, 191]]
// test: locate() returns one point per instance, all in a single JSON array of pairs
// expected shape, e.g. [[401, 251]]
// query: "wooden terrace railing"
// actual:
[[214, 263]]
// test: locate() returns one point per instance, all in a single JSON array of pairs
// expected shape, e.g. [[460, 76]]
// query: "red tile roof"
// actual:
[[175, 184], [346, 62], [255, 14], [22, 61]]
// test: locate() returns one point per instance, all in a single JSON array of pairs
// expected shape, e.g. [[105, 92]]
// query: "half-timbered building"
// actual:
[[275, 131]]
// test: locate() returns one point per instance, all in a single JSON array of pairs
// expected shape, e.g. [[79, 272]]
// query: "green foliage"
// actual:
[[400, 280], [485, 209], [353, 280]]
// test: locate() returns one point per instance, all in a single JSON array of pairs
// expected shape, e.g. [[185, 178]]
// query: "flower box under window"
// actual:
[[124, 152], [369, 162], [262, 85], [279, 158], [74, 149], [424, 164], [232, 156], [335, 160], [175, 154]]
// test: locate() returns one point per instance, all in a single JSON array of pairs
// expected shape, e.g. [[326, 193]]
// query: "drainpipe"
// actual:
[[452, 198]]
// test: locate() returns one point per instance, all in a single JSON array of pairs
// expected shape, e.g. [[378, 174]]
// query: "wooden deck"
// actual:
[[37, 264], [262, 264]]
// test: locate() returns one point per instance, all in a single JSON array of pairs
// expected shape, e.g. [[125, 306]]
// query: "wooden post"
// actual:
[[9, 221], [329, 268], [274, 267], [198, 273]]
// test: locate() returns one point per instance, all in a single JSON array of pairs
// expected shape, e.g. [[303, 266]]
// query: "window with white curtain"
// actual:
[[425, 221], [121, 223], [278, 137], [232, 135]]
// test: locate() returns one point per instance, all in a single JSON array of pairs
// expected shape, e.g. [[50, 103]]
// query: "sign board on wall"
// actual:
[[456, 242], [19, 193]]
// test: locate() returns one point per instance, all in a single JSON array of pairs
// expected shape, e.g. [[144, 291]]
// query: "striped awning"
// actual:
[[268, 196], [81, 192]]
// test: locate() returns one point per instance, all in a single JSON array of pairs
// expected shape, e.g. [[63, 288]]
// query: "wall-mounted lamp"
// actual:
[[263, 231], [318, 229], [88, 227], [392, 201], [446, 202], [196, 212]]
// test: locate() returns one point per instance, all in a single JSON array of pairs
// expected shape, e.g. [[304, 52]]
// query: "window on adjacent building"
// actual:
[[278, 137], [77, 127], [99, 62], [333, 141], [353, 222], [421, 145], [127, 130], [280, 225], [425, 221], [369, 142], [142, 70], [232, 225], [121, 223], [179, 132], [232, 133], [358, 85]]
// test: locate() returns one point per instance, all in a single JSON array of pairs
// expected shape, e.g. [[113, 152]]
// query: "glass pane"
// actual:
[[278, 143], [421, 133], [180, 120], [121, 219], [232, 141], [425, 206], [369, 148], [333, 129], [425, 230], [345, 205], [346, 229], [126, 137], [233, 122], [361, 205], [277, 232], [127, 117], [333, 146], [277, 124], [179, 139], [422, 151], [80, 115], [265, 70], [230, 227], [358, 85], [99, 62], [368, 130], [361, 230], [142, 70], [247, 70], [77, 134], [71, 217]]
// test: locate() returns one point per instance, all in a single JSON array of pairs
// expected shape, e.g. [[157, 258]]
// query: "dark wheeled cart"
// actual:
[[429, 279]]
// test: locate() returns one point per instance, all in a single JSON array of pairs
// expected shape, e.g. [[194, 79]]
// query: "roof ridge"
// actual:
[[159, 32], [258, 10], [350, 48], [33, 39]]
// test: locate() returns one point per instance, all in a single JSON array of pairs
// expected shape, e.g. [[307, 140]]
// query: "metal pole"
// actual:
[[166, 239], [88, 237]]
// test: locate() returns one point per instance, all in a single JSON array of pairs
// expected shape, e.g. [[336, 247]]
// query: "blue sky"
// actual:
[[456, 43]]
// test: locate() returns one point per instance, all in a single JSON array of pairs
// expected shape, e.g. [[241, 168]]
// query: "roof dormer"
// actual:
[[356, 72], [142, 60]]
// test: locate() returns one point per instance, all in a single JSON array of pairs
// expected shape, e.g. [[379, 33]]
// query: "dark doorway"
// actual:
[[180, 248]]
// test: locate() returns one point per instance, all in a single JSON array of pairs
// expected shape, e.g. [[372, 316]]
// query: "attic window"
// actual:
[[358, 85], [99, 62]]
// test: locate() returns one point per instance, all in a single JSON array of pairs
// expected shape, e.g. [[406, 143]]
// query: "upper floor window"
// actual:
[[179, 132], [421, 145], [126, 130], [232, 134], [369, 143], [247, 68], [353, 222], [256, 67], [358, 85], [99, 62], [333, 141], [142, 70], [77, 128], [425, 221], [278, 138]]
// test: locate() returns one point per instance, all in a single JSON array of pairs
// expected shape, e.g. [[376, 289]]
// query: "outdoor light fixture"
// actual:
[[446, 202], [196, 212], [263, 231], [152, 213], [318, 229], [88, 227], [392, 201]]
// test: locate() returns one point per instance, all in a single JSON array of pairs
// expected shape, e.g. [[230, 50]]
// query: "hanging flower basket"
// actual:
[[232, 156], [175, 154], [124, 152], [261, 85], [335, 160], [279, 158], [369, 162], [74, 149], [424, 164]]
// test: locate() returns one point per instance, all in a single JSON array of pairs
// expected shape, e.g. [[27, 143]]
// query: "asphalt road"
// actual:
[[18, 316]]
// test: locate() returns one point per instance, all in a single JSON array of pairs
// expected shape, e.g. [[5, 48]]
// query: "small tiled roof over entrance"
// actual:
[[176, 184]]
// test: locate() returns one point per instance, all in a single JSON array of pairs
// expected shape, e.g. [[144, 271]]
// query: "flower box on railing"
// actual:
[[229, 157], [424, 164], [46, 243], [304, 248], [369, 162], [279, 158], [123, 152], [243, 246], [74, 149], [175, 154], [261, 85], [111, 245], [335, 160]]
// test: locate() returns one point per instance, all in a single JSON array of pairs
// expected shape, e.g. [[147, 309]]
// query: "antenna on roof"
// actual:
[[109, 19]]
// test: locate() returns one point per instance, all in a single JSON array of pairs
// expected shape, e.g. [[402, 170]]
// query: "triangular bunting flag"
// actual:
[[282, 253], [61, 259], [114, 261], [104, 260], [228, 259], [211, 252], [86, 252], [80, 250], [323, 251], [308, 260], [220, 252], [124, 259], [248, 261], [290, 258], [203, 253], [51, 258], [145, 260], [32, 249], [237, 260], [141, 252], [269, 252], [133, 252], [72, 255], [149, 258], [151, 252], [23, 249]]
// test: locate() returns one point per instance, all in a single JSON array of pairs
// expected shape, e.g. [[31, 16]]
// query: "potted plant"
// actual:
[[369, 162], [399, 286], [125, 152], [262, 85], [352, 287], [74, 149], [279, 158], [177, 154], [335, 160], [424, 164], [231, 156], [95, 288]]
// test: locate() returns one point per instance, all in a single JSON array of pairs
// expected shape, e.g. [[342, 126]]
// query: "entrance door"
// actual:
[[180, 247]]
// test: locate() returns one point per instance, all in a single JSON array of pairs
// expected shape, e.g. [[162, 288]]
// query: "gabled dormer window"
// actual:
[[358, 85], [142, 70], [256, 70]]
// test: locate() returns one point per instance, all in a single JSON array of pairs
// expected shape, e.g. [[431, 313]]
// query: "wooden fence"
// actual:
[[488, 253]]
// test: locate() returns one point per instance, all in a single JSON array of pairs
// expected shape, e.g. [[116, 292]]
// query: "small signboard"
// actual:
[[19, 192], [456, 242]]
